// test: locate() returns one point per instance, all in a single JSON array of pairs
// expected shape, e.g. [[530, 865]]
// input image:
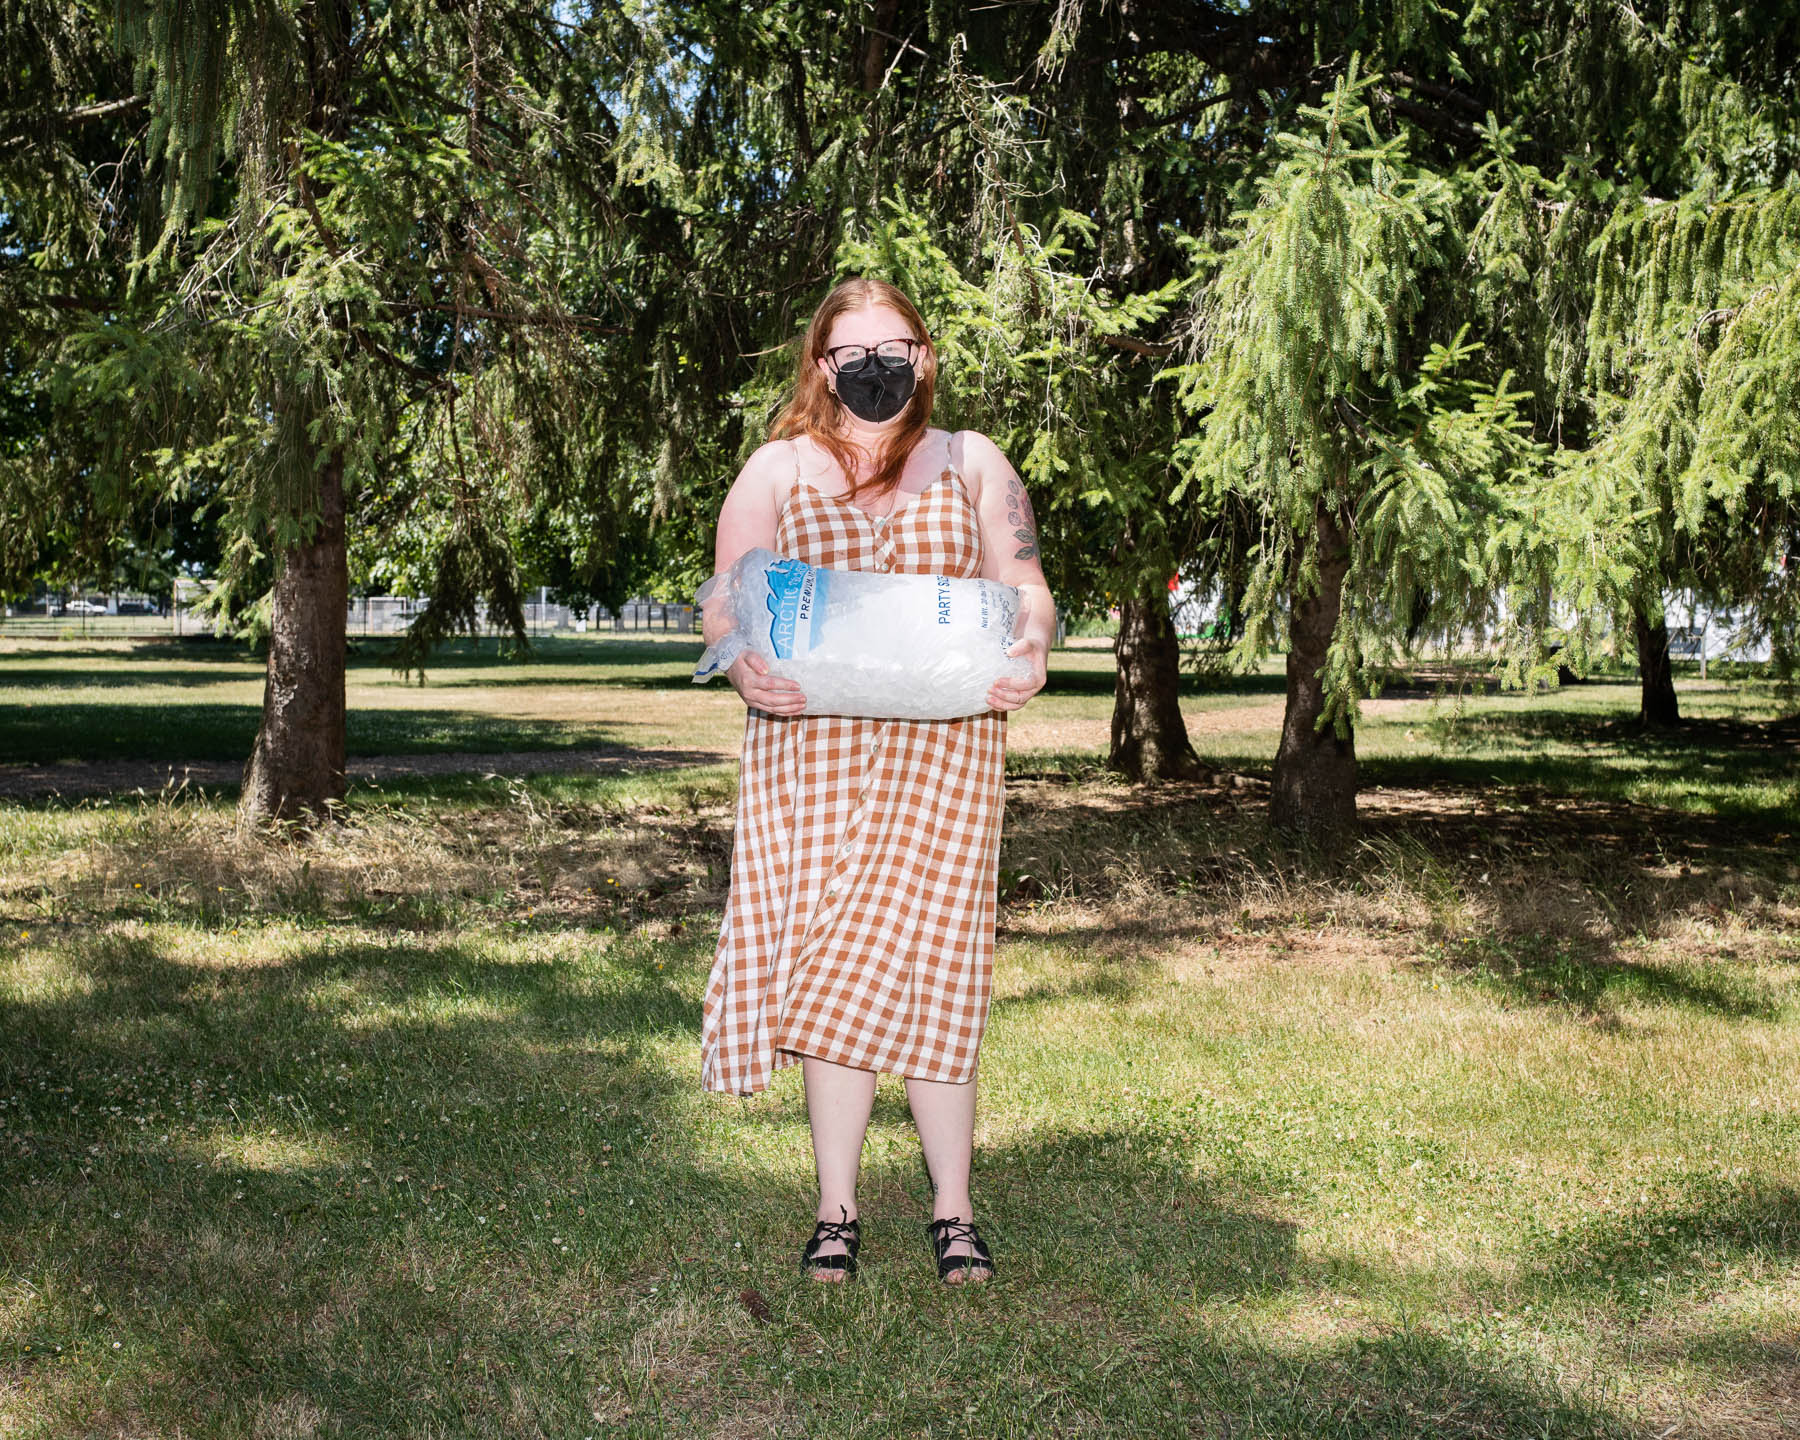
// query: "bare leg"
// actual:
[[838, 1102], [945, 1117]]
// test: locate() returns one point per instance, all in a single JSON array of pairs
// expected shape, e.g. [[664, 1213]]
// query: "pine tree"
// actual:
[[1694, 469], [1376, 457], [368, 247], [1633, 133]]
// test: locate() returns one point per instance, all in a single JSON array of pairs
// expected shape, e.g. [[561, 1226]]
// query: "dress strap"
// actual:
[[794, 485], [962, 481]]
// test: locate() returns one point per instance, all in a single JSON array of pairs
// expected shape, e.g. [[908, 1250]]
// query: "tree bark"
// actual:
[[1656, 675], [1314, 790], [874, 48], [296, 768], [1149, 737]]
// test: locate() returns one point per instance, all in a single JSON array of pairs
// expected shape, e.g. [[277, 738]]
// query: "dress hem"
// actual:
[[786, 1059]]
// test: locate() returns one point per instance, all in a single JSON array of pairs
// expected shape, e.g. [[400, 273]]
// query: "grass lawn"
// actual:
[[1487, 1128], [201, 700]]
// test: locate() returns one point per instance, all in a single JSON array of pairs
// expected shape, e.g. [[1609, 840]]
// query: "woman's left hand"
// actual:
[[1010, 692]]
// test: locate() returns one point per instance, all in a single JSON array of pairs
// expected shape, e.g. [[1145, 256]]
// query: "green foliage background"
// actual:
[[1513, 286]]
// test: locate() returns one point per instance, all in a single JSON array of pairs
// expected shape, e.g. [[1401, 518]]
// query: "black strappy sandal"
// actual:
[[846, 1230], [943, 1234]]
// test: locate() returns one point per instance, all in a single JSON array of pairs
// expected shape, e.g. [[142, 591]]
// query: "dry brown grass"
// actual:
[[518, 849]]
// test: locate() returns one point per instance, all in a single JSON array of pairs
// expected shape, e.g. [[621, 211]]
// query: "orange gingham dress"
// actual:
[[860, 923]]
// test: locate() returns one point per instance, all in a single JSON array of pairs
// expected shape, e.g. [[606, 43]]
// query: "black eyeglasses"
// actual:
[[892, 352]]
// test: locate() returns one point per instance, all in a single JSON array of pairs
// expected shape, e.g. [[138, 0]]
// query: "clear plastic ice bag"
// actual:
[[860, 642]]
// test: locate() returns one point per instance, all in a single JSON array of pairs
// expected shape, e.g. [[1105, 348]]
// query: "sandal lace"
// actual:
[[829, 1230]]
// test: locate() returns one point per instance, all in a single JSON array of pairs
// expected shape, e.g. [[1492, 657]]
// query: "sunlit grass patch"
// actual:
[[270, 1151], [1257, 1157], [38, 972], [1483, 1127]]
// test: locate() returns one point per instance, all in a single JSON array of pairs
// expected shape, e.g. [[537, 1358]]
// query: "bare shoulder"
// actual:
[[762, 485], [983, 464], [750, 516], [770, 465]]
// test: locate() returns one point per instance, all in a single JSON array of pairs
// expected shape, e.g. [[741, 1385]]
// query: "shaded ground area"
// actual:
[[1482, 1128], [73, 779]]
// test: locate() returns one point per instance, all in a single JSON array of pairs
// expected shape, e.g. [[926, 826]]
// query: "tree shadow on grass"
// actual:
[[290, 1246], [1123, 1270], [326, 1177], [1534, 893], [171, 672], [1070, 680], [1756, 1366], [378, 654], [1538, 968], [1744, 770], [1112, 979], [195, 649], [1620, 732], [93, 732], [1638, 1256]]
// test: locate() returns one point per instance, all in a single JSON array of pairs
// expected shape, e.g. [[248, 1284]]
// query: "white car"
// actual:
[[84, 607]]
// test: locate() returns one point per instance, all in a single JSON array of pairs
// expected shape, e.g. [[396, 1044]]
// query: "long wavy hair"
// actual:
[[816, 412]]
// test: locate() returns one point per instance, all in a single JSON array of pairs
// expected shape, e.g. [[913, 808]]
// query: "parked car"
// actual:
[[84, 607], [138, 607]]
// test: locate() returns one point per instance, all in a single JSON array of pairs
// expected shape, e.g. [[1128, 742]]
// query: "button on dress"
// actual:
[[860, 922]]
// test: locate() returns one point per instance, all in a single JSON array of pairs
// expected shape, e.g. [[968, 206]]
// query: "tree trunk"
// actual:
[[1314, 791], [1149, 737], [297, 765], [875, 38], [1656, 675]]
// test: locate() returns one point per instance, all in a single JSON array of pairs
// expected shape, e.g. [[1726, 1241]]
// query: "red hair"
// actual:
[[815, 412]]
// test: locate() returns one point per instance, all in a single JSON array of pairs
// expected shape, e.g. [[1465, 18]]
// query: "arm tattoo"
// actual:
[[1017, 499], [1019, 516]]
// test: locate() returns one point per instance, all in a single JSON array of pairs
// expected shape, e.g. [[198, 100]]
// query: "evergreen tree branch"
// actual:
[[1468, 104], [104, 109]]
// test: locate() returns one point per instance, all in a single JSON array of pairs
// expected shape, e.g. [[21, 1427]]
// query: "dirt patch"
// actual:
[[1046, 729]]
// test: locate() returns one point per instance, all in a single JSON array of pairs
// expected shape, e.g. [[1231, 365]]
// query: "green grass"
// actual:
[[171, 702], [202, 700], [1483, 1129]]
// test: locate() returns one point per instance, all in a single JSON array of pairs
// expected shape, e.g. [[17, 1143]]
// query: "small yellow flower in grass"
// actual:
[[137, 885], [24, 934]]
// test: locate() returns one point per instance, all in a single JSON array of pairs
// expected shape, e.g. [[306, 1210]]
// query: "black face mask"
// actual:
[[876, 390]]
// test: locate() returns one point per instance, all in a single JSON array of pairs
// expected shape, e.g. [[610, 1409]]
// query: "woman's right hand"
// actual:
[[749, 676]]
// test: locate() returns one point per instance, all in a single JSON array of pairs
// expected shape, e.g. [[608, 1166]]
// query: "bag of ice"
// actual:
[[859, 642]]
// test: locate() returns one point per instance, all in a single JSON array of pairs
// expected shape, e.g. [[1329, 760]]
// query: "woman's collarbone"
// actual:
[[829, 478]]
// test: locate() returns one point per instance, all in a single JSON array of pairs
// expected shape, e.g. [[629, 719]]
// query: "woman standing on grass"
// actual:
[[859, 933]]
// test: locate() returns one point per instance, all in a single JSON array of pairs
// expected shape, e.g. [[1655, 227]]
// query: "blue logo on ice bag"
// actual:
[[797, 602]]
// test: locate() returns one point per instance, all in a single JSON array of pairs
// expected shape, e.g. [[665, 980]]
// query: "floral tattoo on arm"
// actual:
[[1020, 518]]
